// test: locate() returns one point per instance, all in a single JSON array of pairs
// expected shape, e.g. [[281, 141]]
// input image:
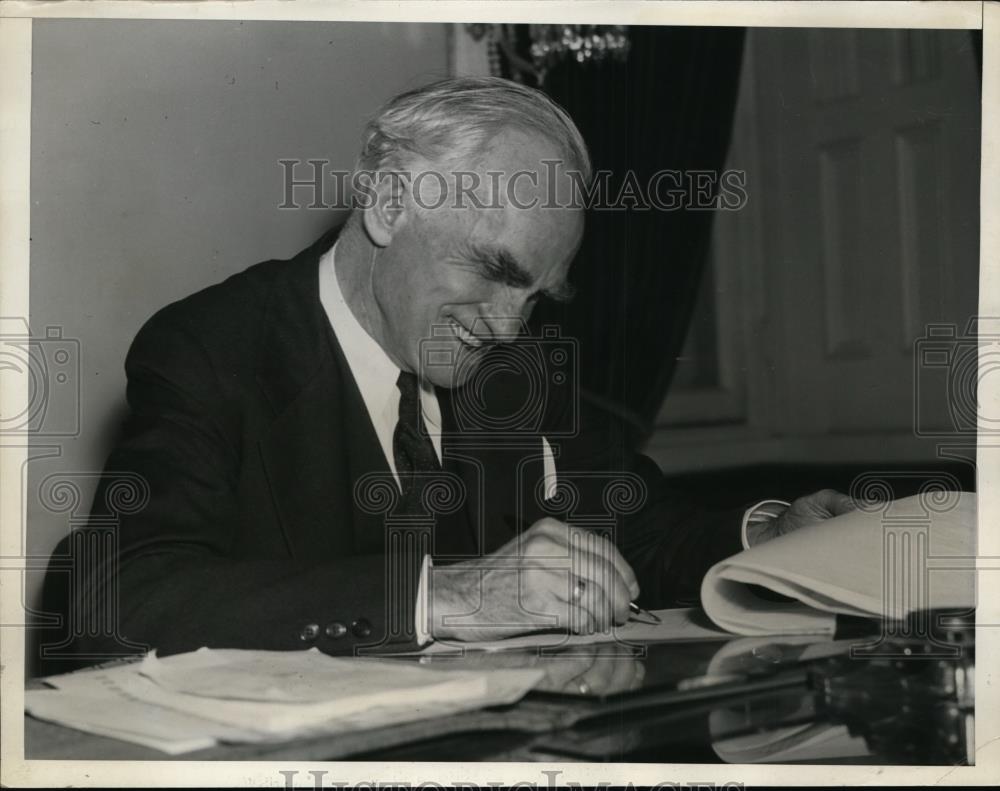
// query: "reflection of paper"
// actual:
[[774, 742], [124, 702], [812, 742], [755, 654], [677, 625], [884, 564]]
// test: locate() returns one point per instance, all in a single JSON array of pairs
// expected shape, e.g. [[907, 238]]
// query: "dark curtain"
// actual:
[[669, 105]]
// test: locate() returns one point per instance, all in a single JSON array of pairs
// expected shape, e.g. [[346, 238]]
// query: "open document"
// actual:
[[885, 560]]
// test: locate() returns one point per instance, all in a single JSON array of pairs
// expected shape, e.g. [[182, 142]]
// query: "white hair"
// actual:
[[457, 117]]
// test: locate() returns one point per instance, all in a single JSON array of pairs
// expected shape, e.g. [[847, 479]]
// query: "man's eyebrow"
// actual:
[[503, 267]]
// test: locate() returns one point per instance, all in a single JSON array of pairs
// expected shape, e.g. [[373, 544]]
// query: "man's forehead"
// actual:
[[536, 232], [533, 217]]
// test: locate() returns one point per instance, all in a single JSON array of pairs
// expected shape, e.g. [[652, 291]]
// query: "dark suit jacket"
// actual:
[[250, 433]]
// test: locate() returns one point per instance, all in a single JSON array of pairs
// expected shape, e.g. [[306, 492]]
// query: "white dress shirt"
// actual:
[[764, 511]]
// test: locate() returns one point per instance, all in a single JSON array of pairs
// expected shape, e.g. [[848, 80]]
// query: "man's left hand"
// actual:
[[806, 510]]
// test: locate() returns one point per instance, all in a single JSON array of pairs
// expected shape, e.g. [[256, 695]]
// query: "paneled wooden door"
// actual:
[[873, 217]]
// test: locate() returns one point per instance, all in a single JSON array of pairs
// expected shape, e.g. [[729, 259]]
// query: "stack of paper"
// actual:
[[192, 701]]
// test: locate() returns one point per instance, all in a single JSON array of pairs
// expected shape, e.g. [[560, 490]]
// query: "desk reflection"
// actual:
[[747, 700], [598, 670]]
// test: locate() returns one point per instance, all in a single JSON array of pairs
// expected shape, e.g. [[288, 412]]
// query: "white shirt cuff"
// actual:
[[760, 513], [421, 618]]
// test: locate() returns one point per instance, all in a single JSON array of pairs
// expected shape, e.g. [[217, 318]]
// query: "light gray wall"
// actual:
[[154, 173]]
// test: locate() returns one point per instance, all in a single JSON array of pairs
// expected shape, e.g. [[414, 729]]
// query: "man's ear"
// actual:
[[387, 212]]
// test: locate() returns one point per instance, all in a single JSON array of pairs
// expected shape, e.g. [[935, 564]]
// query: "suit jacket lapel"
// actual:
[[303, 457], [363, 453], [321, 439]]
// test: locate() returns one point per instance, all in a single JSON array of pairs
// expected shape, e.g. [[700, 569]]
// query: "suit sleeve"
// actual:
[[171, 568], [669, 542]]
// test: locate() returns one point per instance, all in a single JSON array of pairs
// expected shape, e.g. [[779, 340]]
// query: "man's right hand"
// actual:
[[552, 576]]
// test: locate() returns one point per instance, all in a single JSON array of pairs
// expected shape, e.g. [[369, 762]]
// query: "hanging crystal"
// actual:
[[551, 45]]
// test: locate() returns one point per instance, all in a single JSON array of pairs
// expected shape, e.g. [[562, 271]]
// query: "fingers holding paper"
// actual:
[[808, 510]]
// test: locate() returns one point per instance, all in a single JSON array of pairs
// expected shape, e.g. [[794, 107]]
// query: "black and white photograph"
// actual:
[[492, 393]]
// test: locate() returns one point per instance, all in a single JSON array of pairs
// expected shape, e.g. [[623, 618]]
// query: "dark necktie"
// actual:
[[412, 449]]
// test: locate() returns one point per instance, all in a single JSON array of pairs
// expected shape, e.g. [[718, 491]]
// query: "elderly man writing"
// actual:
[[267, 411]]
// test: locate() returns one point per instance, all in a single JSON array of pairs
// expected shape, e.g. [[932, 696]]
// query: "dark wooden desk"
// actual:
[[693, 703]]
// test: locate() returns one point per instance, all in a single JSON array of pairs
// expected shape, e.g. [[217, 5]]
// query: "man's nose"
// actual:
[[501, 327]]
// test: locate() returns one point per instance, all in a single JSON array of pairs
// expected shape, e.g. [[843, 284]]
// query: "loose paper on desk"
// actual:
[[676, 625], [885, 560], [107, 712], [188, 701]]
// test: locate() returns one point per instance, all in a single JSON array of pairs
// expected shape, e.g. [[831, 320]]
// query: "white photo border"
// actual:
[[15, 145]]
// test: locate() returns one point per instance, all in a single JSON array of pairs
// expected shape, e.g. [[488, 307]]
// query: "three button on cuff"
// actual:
[[334, 630]]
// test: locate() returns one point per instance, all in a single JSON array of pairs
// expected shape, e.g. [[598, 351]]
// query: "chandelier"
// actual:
[[547, 46]]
